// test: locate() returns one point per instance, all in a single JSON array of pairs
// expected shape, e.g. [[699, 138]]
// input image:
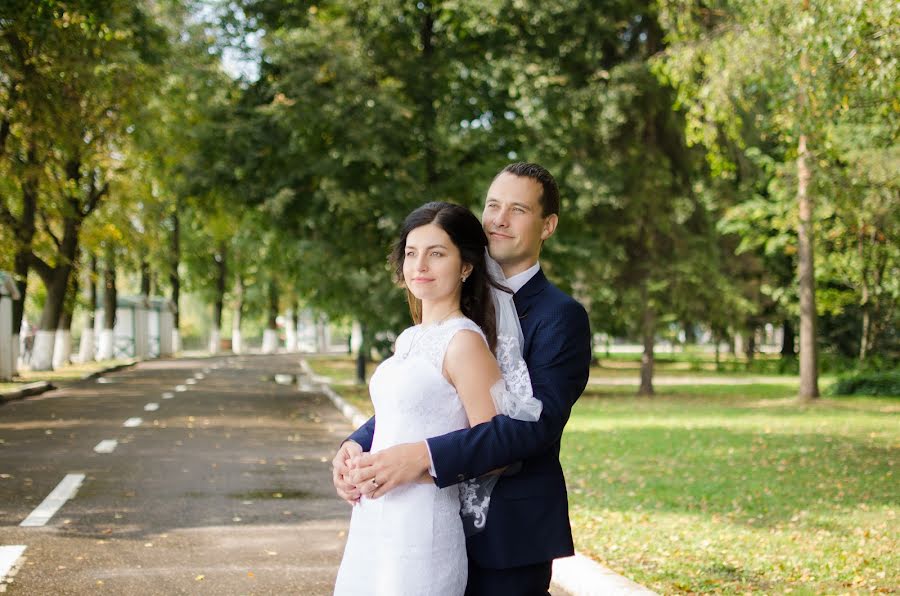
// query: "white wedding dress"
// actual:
[[411, 540]]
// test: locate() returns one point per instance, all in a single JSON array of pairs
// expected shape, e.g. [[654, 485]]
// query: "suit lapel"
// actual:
[[526, 297]]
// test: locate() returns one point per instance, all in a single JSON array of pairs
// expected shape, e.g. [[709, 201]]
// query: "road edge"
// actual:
[[38, 387]]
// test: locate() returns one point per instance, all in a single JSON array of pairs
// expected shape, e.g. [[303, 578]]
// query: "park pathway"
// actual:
[[190, 476]]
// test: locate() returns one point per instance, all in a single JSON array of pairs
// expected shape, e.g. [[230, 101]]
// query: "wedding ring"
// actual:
[[375, 482]]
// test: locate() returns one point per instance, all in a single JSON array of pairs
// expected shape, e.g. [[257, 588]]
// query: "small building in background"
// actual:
[[143, 327]]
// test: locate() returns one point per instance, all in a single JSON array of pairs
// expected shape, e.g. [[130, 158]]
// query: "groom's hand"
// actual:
[[377, 473], [340, 471]]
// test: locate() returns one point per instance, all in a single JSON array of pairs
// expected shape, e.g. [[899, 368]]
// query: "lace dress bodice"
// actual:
[[412, 398], [411, 540]]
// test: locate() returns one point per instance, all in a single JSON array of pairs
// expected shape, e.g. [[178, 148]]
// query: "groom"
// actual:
[[528, 521]]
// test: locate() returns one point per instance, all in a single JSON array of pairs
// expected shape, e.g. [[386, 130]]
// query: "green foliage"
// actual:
[[868, 383]]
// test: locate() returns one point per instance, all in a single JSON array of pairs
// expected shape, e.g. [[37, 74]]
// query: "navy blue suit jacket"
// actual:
[[528, 520]]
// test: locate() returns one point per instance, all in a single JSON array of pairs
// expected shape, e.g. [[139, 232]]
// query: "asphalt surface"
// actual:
[[225, 488]]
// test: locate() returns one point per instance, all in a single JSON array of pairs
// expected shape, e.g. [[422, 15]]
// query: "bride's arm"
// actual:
[[473, 370]]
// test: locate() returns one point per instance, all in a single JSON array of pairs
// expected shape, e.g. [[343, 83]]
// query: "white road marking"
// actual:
[[106, 446], [151, 407], [180, 388], [132, 422], [8, 557], [64, 491], [199, 376], [168, 395], [103, 380], [191, 381]]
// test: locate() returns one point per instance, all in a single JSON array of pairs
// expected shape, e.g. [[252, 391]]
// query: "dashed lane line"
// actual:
[[64, 491], [106, 446], [132, 422], [151, 407], [168, 395]]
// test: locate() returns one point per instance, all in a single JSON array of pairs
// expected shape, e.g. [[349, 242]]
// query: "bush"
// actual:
[[868, 383]]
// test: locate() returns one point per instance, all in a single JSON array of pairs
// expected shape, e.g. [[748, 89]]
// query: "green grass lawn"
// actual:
[[736, 489], [70, 372]]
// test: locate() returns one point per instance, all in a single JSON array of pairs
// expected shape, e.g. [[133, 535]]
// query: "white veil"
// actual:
[[512, 394]]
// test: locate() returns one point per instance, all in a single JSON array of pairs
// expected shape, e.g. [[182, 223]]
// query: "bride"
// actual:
[[443, 376]]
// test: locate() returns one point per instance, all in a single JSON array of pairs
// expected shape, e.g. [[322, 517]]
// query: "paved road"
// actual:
[[224, 489]]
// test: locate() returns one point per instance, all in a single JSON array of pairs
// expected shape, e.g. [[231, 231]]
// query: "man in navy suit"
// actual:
[[528, 521]]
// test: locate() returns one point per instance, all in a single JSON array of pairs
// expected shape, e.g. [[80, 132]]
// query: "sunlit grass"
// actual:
[[70, 372], [737, 489]]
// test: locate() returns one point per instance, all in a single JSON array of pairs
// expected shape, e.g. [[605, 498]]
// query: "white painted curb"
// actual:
[[578, 575], [582, 576], [351, 413]]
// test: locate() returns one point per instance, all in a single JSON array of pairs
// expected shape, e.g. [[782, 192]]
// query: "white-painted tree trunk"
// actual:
[[42, 353], [215, 340], [176, 341], [7, 341], [237, 342], [356, 337], [290, 339], [16, 353], [105, 345], [86, 347], [62, 348], [270, 341]]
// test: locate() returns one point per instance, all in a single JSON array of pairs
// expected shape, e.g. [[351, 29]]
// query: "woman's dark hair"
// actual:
[[467, 234]]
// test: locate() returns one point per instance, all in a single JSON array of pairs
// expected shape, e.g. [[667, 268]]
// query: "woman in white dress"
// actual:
[[440, 379]]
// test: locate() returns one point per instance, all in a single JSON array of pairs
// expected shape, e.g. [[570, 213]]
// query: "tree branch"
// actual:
[[95, 197], [41, 267], [7, 218], [49, 231]]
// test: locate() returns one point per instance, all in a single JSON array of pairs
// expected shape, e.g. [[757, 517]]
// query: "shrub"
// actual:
[[868, 383]]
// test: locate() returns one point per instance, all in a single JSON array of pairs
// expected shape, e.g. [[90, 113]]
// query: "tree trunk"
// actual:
[[864, 304], [86, 350], [62, 350], [219, 304], [787, 342], [236, 339], [270, 335], [750, 350], [809, 374], [290, 330], [690, 336], [145, 278], [174, 279], [361, 356], [648, 333], [56, 281], [717, 340], [110, 300]]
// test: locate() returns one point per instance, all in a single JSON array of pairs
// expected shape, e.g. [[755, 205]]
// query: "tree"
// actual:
[[798, 64]]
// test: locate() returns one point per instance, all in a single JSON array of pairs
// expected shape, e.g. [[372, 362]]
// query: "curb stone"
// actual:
[[26, 390], [39, 387], [578, 575]]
